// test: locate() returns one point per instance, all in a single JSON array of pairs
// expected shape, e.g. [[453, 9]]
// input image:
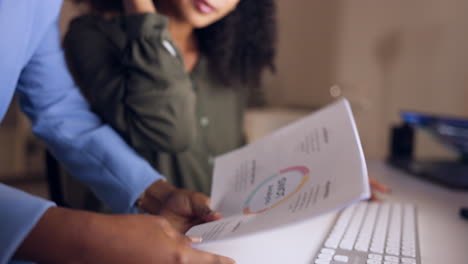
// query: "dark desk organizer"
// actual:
[[452, 133]]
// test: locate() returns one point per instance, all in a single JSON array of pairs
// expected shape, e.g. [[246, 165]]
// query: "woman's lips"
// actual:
[[204, 7]]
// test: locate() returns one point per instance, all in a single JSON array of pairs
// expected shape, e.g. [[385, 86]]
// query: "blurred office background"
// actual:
[[385, 56]]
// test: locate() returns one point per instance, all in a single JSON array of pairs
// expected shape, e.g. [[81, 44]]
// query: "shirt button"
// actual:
[[204, 121], [169, 47]]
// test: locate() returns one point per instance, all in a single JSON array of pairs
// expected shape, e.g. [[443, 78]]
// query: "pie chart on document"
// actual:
[[276, 189]]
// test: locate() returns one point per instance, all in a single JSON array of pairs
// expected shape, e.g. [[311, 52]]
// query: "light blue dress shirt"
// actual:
[[31, 61]]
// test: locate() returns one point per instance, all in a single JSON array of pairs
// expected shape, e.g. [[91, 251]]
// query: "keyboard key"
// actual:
[[325, 256], [327, 251], [361, 248], [322, 261], [375, 256], [346, 245], [409, 253], [392, 258], [392, 251], [341, 258], [408, 261], [377, 249], [332, 244]]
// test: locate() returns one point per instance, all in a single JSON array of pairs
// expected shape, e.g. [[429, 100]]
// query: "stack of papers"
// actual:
[[310, 167]]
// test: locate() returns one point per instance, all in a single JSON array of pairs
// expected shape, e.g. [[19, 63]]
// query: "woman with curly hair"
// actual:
[[173, 77]]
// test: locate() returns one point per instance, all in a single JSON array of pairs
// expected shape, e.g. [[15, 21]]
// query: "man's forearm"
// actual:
[[72, 236], [60, 236]]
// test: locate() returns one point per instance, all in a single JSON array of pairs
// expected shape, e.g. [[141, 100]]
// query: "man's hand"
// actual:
[[183, 208], [71, 236]]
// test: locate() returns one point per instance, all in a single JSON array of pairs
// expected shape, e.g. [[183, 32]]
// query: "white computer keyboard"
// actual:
[[372, 233]]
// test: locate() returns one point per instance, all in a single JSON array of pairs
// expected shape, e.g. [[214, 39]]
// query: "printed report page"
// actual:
[[310, 167]]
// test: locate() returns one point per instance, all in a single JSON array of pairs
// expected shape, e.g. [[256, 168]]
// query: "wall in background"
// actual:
[[306, 53], [385, 55]]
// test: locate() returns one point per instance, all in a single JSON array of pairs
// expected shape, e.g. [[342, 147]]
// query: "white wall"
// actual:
[[306, 50], [386, 55]]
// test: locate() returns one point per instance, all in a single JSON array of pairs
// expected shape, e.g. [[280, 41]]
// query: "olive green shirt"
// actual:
[[134, 78]]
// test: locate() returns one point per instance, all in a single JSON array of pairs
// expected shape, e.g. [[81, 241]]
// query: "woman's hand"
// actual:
[[133, 7], [379, 187]]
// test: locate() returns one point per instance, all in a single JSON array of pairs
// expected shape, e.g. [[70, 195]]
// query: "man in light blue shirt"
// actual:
[[31, 61]]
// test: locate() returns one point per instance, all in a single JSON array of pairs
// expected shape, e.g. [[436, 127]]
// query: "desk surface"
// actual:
[[443, 234]]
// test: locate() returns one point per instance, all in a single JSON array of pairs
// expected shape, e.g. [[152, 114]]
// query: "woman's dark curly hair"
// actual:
[[239, 46]]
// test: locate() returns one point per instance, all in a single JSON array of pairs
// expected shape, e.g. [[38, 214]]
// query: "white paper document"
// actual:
[[310, 167]]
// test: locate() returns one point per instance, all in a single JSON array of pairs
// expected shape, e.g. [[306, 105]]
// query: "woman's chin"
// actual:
[[201, 23]]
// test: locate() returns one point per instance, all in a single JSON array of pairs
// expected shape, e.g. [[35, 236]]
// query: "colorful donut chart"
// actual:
[[287, 182]]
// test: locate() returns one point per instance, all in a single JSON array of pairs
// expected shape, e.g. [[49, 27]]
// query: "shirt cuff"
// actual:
[[20, 213]]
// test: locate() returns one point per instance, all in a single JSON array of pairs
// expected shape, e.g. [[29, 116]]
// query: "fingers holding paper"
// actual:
[[183, 208], [377, 186]]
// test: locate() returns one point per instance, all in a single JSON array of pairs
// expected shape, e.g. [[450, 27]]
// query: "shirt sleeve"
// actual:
[[20, 213], [90, 150], [135, 80]]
